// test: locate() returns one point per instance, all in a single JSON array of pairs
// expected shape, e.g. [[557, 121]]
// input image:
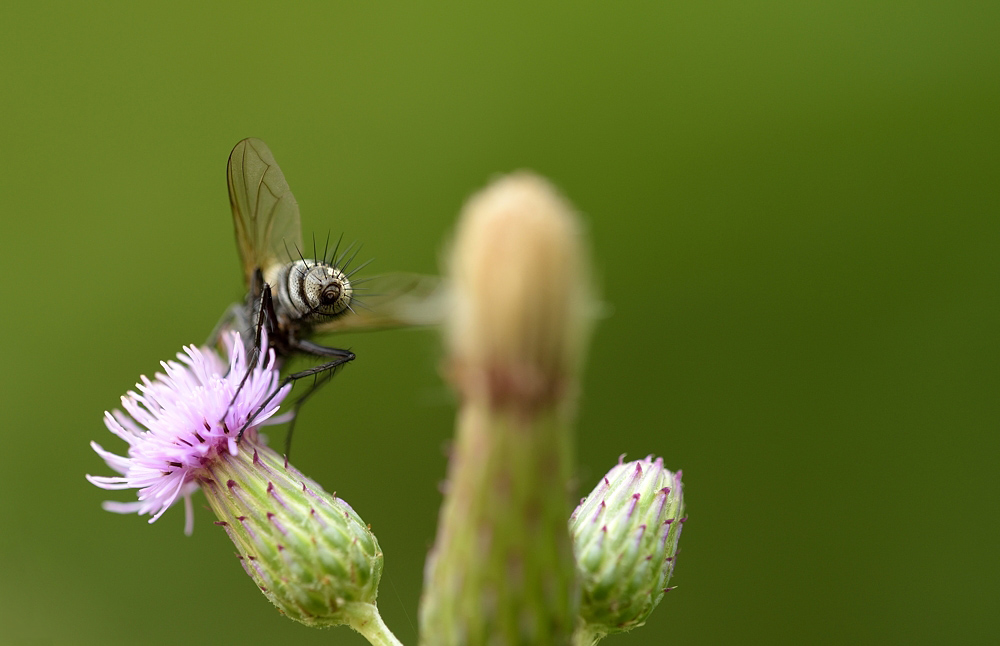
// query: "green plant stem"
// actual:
[[502, 569], [364, 618]]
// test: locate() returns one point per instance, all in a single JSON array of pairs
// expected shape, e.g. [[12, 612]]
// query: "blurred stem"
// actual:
[[364, 618], [502, 571]]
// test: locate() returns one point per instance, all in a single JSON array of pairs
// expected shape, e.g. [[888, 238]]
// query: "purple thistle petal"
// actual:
[[121, 507], [109, 483]]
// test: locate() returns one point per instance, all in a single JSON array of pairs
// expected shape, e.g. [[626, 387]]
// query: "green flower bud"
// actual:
[[308, 551], [625, 536]]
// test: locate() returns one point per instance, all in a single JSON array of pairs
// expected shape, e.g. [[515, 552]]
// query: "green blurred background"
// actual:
[[794, 213]]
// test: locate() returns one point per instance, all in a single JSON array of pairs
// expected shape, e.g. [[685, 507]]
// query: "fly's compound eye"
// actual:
[[331, 294]]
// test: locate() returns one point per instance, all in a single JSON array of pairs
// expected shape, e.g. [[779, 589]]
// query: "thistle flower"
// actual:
[[309, 552], [625, 537], [181, 421]]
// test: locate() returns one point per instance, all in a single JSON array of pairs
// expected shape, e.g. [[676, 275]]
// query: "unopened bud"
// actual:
[[625, 536], [522, 291]]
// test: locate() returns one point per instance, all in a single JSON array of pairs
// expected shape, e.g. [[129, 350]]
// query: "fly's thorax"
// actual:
[[309, 291]]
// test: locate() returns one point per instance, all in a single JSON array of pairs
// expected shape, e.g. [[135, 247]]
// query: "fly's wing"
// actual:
[[392, 300], [265, 214]]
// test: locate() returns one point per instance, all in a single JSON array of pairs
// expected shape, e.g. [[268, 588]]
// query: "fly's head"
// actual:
[[318, 291]]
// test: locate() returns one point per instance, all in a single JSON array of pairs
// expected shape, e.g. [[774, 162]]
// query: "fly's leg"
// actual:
[[339, 358], [327, 370], [316, 385], [265, 314]]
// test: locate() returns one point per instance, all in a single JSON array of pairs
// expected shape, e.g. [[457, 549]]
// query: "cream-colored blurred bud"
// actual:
[[522, 293]]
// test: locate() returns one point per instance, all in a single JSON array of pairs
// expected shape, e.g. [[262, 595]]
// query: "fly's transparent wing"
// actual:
[[391, 300], [265, 214]]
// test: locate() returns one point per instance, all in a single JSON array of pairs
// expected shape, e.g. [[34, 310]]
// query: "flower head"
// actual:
[[184, 419], [625, 536], [522, 302], [308, 551]]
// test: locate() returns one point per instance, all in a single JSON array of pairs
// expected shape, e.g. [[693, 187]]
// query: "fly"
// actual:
[[295, 298]]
